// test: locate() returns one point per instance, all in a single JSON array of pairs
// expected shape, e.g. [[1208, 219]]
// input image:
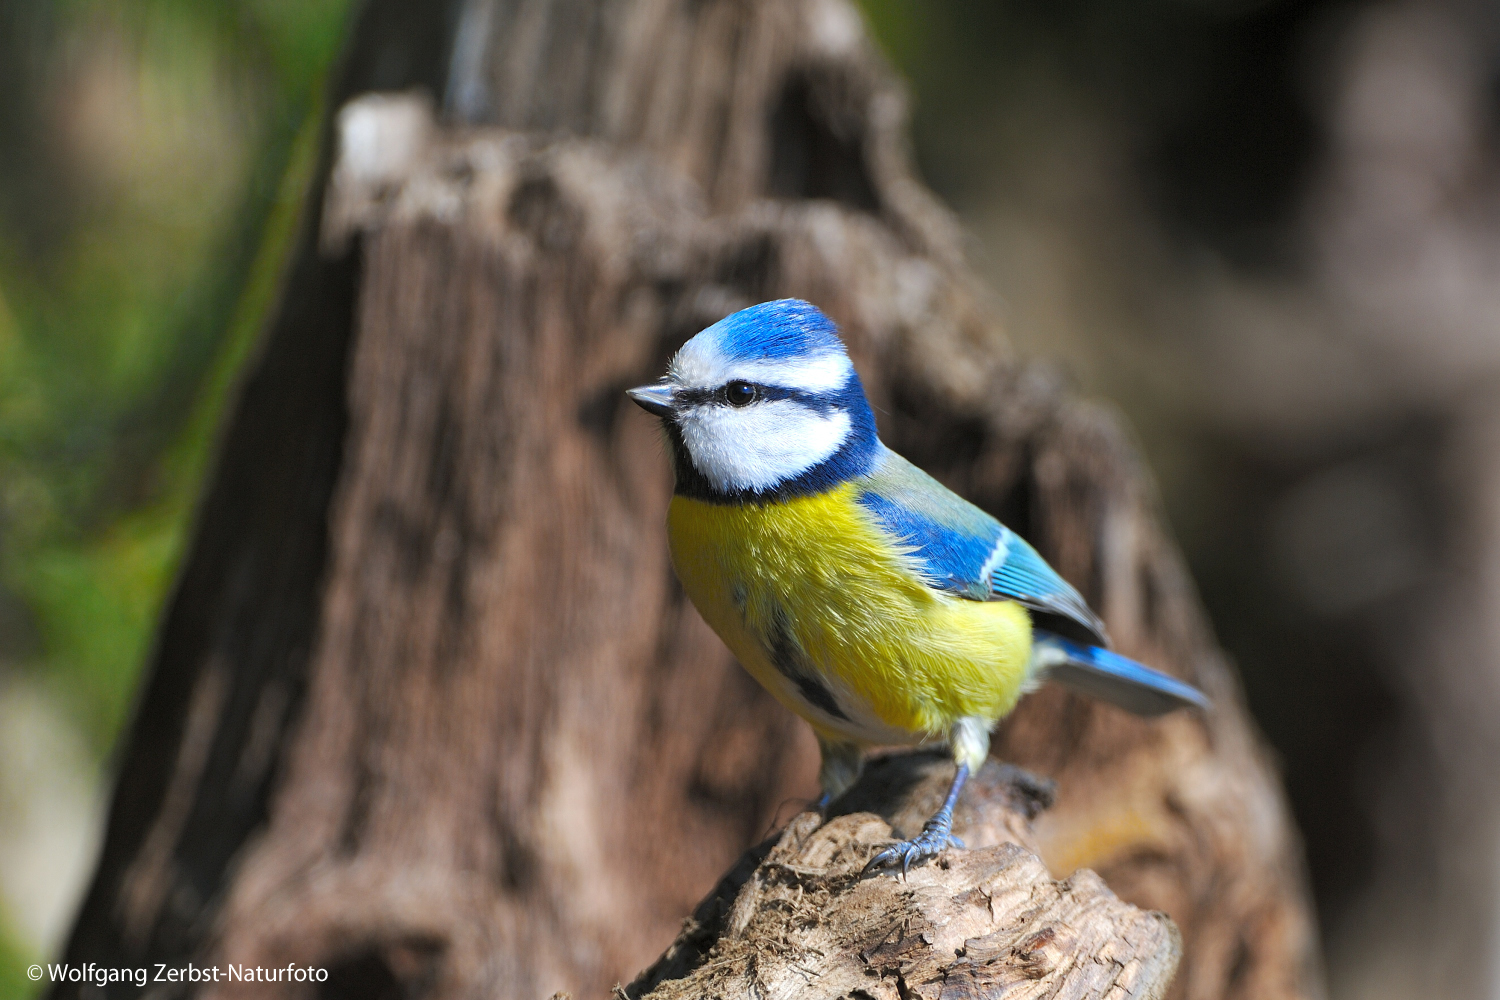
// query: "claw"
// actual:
[[936, 836], [932, 841]]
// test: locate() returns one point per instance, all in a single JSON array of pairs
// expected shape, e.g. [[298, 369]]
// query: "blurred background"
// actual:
[[1268, 232]]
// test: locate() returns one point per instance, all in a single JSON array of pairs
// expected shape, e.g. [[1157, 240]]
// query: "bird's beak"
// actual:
[[655, 399]]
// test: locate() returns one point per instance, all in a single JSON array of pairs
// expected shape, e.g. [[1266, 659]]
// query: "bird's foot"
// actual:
[[934, 839]]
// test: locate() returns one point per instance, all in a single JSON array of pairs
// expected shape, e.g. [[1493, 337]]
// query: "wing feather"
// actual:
[[960, 549], [1024, 576]]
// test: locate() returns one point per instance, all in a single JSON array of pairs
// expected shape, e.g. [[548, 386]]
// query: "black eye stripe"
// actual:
[[821, 402]]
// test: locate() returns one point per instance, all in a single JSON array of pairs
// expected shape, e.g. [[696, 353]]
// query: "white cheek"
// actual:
[[761, 445]]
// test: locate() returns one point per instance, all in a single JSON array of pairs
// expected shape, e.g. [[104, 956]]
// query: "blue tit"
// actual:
[[859, 591]]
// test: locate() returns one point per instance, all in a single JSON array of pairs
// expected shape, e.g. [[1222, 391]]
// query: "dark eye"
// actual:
[[739, 393]]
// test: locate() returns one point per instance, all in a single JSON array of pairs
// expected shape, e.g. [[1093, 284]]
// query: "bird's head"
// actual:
[[763, 404]]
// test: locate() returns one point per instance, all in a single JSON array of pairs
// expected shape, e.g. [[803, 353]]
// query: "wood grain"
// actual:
[[795, 916]]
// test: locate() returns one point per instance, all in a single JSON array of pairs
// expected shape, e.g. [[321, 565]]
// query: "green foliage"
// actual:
[[180, 137], [153, 159], [14, 958], [899, 28]]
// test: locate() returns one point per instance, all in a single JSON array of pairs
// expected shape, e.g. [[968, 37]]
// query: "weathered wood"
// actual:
[[795, 917], [520, 756]]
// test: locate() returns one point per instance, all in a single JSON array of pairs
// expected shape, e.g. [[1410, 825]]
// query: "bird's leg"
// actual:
[[936, 836], [842, 765], [970, 738]]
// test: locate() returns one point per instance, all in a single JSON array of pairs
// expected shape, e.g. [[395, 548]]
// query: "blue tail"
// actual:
[[1109, 676]]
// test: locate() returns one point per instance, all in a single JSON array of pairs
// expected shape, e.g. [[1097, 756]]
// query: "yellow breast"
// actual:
[[811, 593]]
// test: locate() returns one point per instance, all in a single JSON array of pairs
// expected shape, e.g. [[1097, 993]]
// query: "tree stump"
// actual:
[[429, 709]]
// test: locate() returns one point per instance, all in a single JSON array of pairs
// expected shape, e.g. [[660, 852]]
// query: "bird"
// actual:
[[864, 595]]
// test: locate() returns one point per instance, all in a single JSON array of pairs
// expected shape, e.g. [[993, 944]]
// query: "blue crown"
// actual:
[[777, 331]]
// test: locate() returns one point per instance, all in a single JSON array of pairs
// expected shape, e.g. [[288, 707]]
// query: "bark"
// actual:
[[429, 709]]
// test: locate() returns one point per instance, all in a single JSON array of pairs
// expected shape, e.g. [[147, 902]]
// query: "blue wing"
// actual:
[[961, 549]]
